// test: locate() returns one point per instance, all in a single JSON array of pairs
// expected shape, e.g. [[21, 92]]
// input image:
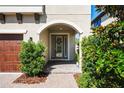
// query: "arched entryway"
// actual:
[[59, 38]]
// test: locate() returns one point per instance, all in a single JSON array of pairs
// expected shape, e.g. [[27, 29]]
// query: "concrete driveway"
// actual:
[[53, 81]]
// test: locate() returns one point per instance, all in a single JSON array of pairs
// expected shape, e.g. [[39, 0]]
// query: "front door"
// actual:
[[59, 47]]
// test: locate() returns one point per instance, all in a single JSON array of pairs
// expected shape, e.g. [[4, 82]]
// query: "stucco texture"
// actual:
[[77, 14]]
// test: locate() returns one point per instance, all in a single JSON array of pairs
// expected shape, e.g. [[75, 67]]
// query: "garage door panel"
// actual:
[[10, 58], [9, 52], [9, 68], [11, 46], [2, 58], [11, 37]]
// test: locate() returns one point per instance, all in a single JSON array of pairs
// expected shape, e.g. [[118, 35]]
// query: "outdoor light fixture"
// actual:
[[60, 28]]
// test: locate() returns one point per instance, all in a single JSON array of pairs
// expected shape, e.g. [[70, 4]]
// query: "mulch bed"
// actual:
[[77, 77], [25, 79]]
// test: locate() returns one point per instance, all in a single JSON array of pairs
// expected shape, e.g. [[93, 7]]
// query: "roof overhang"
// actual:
[[21, 9]]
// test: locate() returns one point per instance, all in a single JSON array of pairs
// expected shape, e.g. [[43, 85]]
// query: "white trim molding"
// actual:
[[21, 9], [70, 24], [13, 31], [68, 45]]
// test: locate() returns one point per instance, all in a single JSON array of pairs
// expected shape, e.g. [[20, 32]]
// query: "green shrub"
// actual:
[[103, 57], [76, 57], [32, 58]]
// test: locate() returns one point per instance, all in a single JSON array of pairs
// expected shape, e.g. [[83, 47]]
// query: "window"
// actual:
[[97, 23]]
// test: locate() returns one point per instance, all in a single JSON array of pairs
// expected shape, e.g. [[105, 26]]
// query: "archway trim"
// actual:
[[71, 24]]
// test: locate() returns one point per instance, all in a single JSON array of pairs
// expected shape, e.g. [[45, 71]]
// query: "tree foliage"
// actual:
[[114, 10], [103, 57]]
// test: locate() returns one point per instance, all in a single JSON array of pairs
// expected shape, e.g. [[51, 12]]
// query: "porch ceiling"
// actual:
[[60, 27]]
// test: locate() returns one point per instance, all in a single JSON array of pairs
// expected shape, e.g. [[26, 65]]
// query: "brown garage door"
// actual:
[[9, 52]]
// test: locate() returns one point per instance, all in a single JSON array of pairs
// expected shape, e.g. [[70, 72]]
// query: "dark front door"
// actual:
[[59, 47]]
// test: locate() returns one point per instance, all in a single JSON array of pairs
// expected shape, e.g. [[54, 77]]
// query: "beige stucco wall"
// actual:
[[44, 37], [28, 24], [77, 14]]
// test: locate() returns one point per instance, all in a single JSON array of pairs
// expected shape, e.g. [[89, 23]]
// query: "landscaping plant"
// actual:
[[76, 57], [32, 58], [103, 57], [112, 10]]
